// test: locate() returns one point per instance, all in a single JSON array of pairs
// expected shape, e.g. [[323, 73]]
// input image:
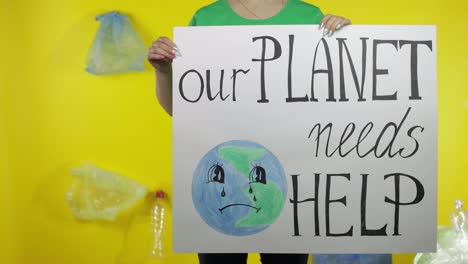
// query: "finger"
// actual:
[[344, 22], [163, 52], [330, 23], [341, 22], [327, 27], [165, 47], [168, 42], [324, 20], [154, 56], [158, 57], [337, 24], [152, 50]]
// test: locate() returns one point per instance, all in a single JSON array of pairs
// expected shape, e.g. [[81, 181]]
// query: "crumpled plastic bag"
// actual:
[[97, 194], [117, 47], [452, 242]]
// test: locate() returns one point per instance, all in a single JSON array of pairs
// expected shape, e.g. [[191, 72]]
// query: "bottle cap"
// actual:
[[159, 194]]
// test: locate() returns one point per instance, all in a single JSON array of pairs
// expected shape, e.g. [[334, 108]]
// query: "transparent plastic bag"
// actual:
[[452, 242], [97, 194], [117, 47]]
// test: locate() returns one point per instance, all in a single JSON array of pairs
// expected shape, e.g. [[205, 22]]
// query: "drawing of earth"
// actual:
[[239, 188]]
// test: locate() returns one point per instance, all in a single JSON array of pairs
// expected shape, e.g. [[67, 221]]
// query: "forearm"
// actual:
[[164, 89]]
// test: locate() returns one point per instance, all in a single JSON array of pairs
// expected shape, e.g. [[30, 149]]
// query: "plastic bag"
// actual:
[[117, 47], [452, 242], [97, 194]]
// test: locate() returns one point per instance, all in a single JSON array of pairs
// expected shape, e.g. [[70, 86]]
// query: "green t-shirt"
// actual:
[[220, 13]]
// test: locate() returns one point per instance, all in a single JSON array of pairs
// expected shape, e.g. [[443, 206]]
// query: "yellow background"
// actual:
[[54, 115]]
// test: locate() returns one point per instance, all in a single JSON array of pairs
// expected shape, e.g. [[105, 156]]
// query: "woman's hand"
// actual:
[[332, 23], [161, 54]]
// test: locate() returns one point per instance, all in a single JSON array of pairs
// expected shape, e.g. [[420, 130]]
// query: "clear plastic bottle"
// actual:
[[458, 217], [157, 222], [144, 237]]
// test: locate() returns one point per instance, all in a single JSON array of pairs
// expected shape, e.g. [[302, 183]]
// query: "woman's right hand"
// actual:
[[161, 54]]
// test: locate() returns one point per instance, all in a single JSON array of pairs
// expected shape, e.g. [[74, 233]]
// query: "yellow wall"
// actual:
[[53, 115]]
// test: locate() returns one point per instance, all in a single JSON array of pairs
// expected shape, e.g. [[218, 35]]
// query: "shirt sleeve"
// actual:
[[193, 21]]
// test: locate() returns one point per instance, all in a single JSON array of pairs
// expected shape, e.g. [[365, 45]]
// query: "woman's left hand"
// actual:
[[332, 23]]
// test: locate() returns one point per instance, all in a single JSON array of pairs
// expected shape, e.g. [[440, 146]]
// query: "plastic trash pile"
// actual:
[[452, 242]]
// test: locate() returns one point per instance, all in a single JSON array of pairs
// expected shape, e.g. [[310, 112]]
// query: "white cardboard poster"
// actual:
[[287, 142]]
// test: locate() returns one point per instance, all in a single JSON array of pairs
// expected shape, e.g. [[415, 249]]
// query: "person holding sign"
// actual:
[[239, 12]]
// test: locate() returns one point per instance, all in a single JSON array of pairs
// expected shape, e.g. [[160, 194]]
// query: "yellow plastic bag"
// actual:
[[97, 194]]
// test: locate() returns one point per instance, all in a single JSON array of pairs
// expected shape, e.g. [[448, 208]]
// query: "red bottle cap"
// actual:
[[159, 194]]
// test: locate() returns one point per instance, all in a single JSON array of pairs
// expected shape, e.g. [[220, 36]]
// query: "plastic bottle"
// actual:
[[144, 237], [458, 217], [157, 222]]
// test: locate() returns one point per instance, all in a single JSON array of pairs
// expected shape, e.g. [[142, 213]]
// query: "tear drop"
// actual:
[[250, 189], [255, 198], [223, 193]]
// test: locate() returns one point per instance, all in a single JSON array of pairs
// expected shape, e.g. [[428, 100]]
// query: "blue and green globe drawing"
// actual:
[[239, 188]]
